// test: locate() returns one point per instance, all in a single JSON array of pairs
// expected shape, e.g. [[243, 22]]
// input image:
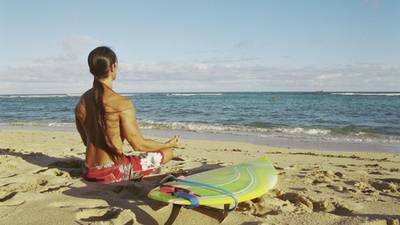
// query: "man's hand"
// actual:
[[173, 142]]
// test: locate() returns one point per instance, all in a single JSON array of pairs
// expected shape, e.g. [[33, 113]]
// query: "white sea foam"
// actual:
[[194, 94], [73, 94], [33, 96], [38, 124], [219, 128], [285, 132], [20, 124], [59, 124], [366, 94], [127, 95], [300, 130]]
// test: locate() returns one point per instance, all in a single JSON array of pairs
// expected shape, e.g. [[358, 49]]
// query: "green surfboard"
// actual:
[[246, 181]]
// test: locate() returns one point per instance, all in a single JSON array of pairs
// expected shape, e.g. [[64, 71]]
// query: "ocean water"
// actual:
[[342, 117]]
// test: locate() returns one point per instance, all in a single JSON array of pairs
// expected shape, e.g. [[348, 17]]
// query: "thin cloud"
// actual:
[[68, 73], [244, 44], [375, 4], [362, 77]]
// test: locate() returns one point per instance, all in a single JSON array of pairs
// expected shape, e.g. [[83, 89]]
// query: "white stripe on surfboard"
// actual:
[[238, 175], [255, 163], [252, 183]]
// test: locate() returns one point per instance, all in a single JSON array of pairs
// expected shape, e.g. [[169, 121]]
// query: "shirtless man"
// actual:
[[105, 119]]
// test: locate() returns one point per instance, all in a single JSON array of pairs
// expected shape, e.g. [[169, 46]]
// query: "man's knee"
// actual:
[[168, 154]]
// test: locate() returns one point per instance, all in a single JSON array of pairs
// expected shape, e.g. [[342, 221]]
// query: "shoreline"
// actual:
[[318, 144]]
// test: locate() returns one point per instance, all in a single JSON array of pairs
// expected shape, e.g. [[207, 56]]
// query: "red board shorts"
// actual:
[[129, 168]]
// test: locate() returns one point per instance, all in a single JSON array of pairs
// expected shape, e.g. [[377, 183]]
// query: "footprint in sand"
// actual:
[[4, 196], [291, 202], [278, 167], [384, 186], [41, 181], [8, 176], [72, 166], [376, 173], [9, 199], [329, 206], [46, 171], [44, 185], [265, 205], [325, 177], [337, 188], [6, 184], [85, 204], [376, 166], [56, 188], [359, 186], [50, 171], [105, 215], [296, 199], [341, 166]]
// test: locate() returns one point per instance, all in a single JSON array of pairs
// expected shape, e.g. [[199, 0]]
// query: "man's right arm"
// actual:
[[79, 115]]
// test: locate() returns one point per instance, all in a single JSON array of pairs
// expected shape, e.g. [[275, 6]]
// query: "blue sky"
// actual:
[[202, 45]]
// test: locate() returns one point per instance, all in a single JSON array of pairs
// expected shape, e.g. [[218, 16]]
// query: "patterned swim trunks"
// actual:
[[129, 168]]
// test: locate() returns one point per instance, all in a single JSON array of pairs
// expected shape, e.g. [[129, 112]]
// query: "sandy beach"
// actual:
[[293, 108], [41, 184]]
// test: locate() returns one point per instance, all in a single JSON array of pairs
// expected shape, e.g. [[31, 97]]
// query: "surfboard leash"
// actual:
[[192, 197]]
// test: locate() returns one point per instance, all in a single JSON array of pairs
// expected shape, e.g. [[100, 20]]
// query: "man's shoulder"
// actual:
[[83, 97], [117, 103], [80, 108]]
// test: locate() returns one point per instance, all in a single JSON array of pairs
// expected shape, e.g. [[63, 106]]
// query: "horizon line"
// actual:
[[155, 92]]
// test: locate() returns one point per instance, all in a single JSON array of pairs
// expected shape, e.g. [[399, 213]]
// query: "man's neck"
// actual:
[[107, 82]]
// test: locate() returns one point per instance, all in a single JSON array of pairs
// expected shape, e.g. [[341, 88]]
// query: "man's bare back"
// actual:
[[95, 139], [120, 118]]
